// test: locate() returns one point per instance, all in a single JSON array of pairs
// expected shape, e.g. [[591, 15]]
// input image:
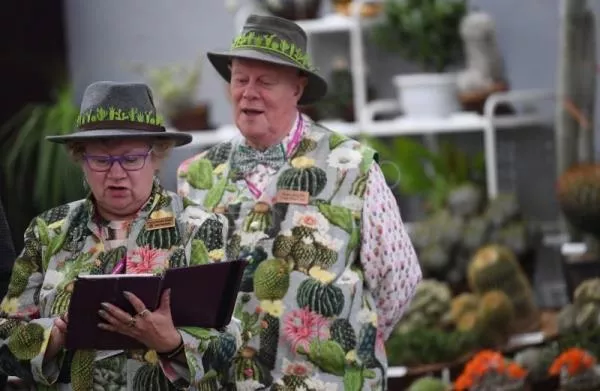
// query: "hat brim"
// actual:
[[315, 89], [117, 134]]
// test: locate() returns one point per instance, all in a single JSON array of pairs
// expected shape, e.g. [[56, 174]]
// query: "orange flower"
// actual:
[[514, 371], [575, 360], [485, 362]]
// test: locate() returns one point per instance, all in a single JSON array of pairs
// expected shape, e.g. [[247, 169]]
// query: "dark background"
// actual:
[[33, 62]]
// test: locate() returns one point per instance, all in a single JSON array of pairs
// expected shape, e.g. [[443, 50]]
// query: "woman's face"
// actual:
[[120, 174]]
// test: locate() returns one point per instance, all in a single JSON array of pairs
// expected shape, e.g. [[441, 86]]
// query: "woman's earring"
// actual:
[[86, 186]]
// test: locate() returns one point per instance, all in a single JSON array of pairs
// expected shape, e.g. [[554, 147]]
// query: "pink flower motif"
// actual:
[[301, 326], [146, 260], [183, 167]]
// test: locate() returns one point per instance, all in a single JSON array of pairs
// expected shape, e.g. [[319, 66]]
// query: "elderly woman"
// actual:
[[128, 224], [332, 267]]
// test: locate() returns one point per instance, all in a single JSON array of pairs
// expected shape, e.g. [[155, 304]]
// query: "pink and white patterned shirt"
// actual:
[[392, 270]]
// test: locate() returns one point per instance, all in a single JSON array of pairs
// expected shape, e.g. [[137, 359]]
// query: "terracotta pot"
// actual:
[[293, 9], [195, 118], [367, 10], [475, 101]]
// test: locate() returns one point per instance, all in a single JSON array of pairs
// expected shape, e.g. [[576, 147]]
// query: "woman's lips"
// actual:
[[117, 191]]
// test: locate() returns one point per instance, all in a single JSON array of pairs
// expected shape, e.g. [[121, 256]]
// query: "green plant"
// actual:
[[57, 179], [426, 31], [428, 383], [174, 86], [429, 346], [422, 172]]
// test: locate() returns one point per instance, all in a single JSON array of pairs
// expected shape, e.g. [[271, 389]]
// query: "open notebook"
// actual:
[[201, 296]]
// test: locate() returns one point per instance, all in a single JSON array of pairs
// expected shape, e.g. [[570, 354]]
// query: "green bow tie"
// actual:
[[245, 159]]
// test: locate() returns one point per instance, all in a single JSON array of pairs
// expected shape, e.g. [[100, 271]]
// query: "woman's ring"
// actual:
[[143, 313], [132, 322]]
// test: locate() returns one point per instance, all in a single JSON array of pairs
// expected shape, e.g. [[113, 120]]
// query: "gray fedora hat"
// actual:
[[277, 41], [113, 110]]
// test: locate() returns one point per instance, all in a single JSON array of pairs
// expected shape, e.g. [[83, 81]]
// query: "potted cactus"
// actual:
[[489, 370], [458, 218], [577, 370], [175, 87], [425, 31], [577, 192]]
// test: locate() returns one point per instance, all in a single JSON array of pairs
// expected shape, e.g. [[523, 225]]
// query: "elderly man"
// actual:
[[332, 268]]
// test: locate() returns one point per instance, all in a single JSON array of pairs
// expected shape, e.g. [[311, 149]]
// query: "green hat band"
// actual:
[[274, 44]]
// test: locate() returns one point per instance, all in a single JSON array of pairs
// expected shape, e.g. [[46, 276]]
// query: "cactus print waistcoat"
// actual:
[[307, 318]]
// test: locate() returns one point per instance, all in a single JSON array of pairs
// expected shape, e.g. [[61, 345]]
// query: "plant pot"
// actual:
[[577, 269], [427, 95], [475, 101], [195, 118], [367, 10], [293, 9]]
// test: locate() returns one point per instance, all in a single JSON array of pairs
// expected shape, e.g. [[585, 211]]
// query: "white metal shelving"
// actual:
[[365, 111]]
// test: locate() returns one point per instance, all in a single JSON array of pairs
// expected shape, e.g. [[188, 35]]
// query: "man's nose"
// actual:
[[250, 91]]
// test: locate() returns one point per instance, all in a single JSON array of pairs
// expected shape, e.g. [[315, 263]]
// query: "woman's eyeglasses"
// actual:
[[102, 163]]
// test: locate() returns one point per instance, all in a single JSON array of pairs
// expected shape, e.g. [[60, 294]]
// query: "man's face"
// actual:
[[265, 97]]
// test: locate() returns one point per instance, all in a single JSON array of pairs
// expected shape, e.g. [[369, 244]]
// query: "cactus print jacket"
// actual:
[[311, 299], [66, 241]]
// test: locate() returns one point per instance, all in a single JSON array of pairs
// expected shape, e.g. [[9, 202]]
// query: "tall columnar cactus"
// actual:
[[576, 85]]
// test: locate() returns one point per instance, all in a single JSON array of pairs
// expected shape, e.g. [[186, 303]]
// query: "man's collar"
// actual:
[[286, 138]]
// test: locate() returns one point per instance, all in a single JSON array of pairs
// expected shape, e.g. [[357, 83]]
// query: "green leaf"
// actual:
[[200, 175], [336, 139], [42, 231], [369, 374], [57, 242], [327, 355], [198, 332], [231, 187], [199, 253], [353, 379], [338, 215], [353, 242], [214, 195], [188, 202], [403, 161], [368, 155], [57, 178]]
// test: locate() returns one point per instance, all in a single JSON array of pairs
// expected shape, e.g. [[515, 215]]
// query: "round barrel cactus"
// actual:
[[578, 192], [311, 180], [324, 299]]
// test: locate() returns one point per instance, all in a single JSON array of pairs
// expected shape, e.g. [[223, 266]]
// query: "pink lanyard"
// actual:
[[291, 147]]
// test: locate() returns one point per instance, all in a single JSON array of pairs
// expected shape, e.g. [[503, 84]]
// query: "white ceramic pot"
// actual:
[[427, 94]]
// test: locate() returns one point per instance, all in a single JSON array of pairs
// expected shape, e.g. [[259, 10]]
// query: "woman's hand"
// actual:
[[57, 337], [153, 329]]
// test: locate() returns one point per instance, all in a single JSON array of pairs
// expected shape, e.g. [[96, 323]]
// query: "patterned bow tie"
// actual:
[[245, 159]]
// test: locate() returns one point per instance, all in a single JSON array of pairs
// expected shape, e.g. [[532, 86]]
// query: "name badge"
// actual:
[[292, 197], [161, 222]]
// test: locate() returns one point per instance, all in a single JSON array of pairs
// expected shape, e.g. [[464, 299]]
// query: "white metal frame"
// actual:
[[489, 129], [365, 111]]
